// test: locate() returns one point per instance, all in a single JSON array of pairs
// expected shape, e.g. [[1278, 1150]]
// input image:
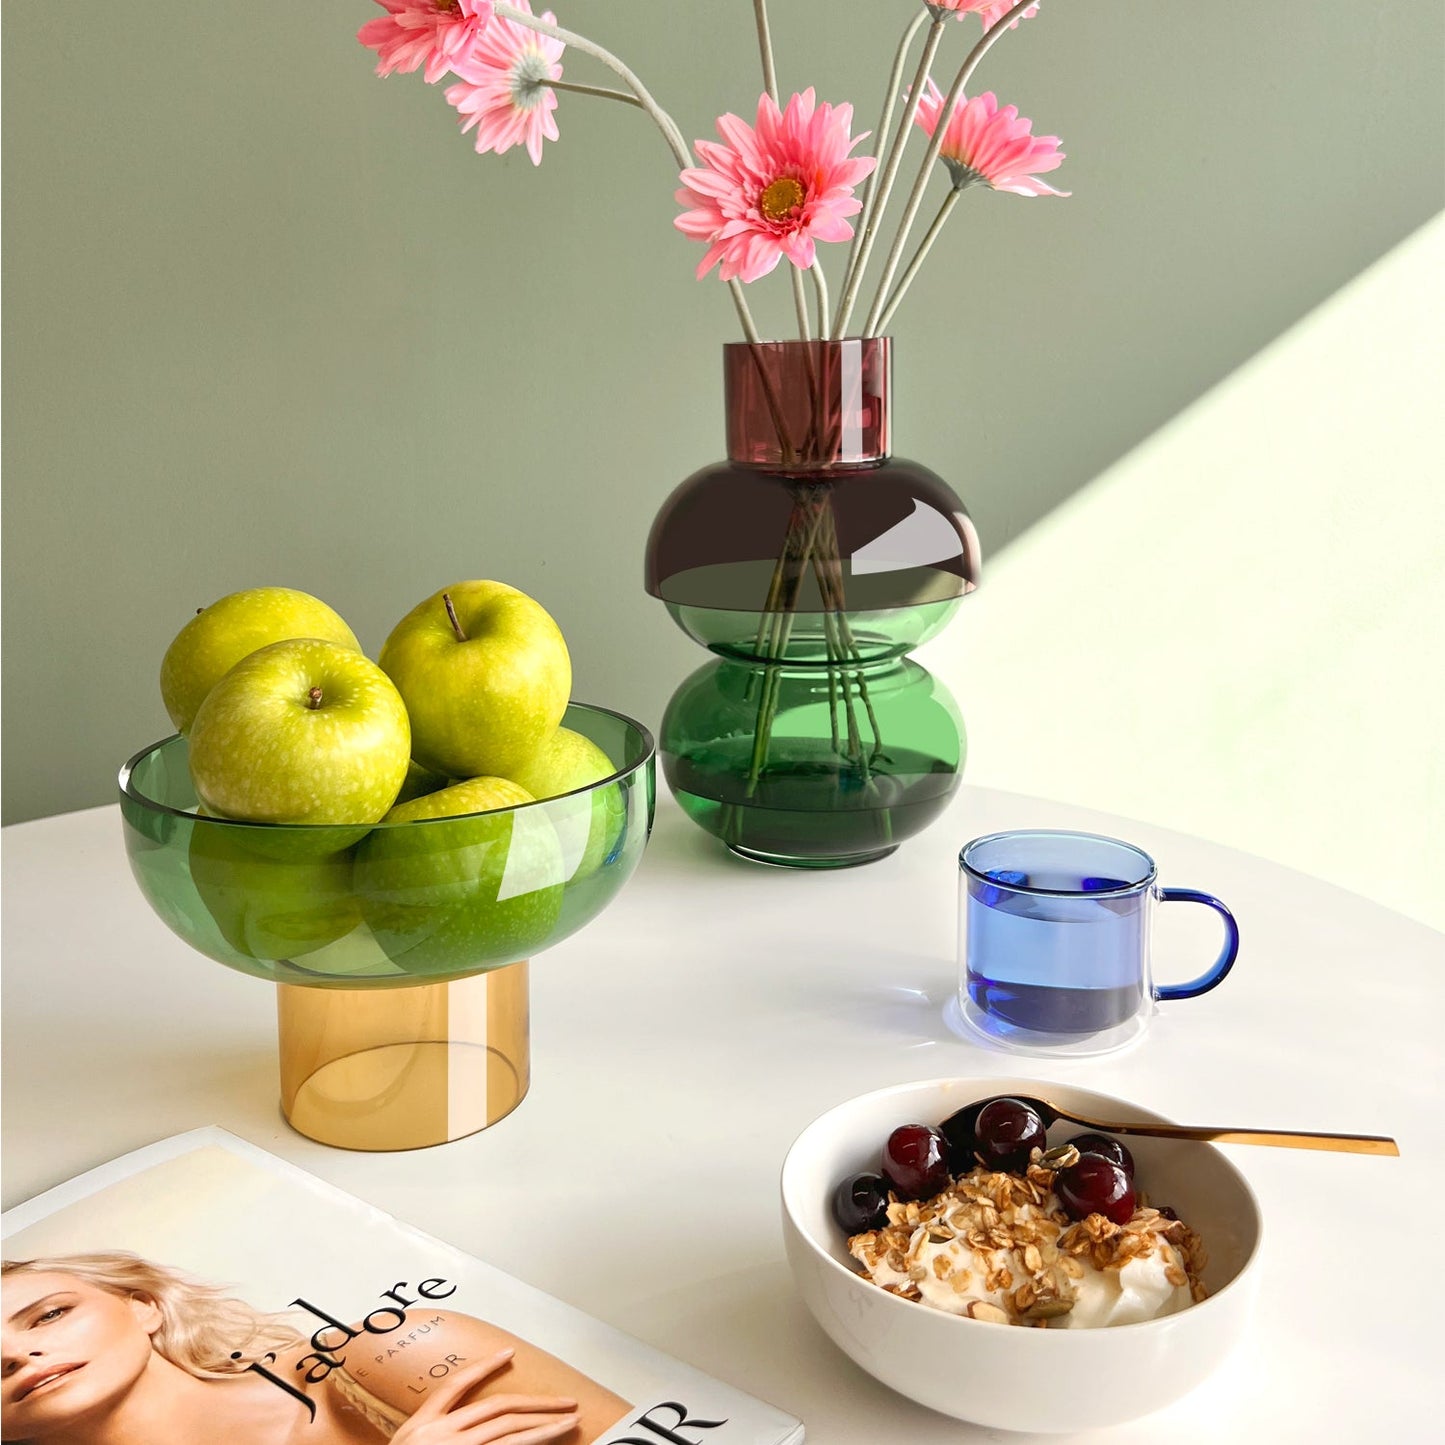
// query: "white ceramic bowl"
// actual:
[[1005, 1376]]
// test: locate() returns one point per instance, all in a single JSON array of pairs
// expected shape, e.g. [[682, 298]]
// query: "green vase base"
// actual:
[[842, 835], [777, 860], [850, 765]]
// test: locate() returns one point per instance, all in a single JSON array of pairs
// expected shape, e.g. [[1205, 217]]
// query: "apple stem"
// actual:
[[313, 698], [452, 615]]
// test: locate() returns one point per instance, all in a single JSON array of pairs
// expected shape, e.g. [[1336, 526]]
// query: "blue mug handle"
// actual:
[[1222, 964]]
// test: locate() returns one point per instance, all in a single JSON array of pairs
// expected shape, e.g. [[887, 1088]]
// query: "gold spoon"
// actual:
[[1288, 1138]]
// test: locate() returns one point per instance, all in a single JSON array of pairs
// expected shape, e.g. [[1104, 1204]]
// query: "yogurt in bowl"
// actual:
[[1172, 1312], [1003, 1247]]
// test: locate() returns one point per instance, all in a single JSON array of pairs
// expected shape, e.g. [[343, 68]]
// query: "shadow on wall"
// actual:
[[1237, 630]]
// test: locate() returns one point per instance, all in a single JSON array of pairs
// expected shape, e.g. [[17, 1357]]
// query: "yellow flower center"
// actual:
[[781, 200]]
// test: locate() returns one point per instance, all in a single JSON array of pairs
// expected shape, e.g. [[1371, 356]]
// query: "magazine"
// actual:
[[204, 1279]]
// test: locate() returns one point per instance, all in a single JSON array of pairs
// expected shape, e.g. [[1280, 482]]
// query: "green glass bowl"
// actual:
[[397, 904]]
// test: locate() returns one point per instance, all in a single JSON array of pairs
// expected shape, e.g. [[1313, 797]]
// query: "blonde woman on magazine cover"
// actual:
[[111, 1349]]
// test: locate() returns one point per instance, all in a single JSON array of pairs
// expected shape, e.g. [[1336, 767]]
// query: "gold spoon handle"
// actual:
[[1287, 1138]]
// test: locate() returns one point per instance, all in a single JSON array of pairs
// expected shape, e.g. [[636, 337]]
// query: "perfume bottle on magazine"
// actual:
[[201, 1288]]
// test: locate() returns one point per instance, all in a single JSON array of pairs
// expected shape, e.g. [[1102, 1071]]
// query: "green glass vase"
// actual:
[[810, 563], [808, 795]]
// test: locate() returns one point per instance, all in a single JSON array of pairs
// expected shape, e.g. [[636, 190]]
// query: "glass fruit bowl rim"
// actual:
[[648, 752]]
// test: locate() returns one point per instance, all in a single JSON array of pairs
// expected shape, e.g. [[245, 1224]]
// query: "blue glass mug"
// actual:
[[1053, 948]]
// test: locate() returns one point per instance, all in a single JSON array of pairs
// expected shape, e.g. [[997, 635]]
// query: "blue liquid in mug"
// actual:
[[1056, 934], [1056, 965]]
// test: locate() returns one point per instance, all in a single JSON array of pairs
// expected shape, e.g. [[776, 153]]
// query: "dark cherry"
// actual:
[[915, 1161], [1005, 1132], [860, 1203], [1108, 1147], [957, 1131], [1096, 1185]]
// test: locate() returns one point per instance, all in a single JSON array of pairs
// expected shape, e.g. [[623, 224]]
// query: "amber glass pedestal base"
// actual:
[[404, 1068]]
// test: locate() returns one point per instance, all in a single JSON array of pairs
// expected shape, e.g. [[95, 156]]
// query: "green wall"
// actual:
[[269, 319]]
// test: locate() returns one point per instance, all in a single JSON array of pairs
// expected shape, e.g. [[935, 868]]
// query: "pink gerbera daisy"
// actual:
[[982, 143], [503, 89], [989, 11], [434, 33], [775, 189]]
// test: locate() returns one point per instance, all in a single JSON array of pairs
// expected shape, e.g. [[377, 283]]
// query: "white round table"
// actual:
[[683, 1039]]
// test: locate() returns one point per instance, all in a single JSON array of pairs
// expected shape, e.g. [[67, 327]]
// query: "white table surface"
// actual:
[[683, 1039]]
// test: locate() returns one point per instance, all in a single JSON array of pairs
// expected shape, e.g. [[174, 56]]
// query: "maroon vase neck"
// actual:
[[801, 406]]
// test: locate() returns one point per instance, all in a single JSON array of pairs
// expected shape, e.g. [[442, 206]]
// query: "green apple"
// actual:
[[461, 884], [271, 908], [419, 781], [485, 674], [220, 635], [288, 844], [301, 732], [590, 824]]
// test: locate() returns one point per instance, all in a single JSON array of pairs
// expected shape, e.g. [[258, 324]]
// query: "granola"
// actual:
[[1001, 1247]]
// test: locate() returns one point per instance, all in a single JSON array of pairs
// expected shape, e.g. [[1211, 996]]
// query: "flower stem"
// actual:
[[798, 546], [770, 85], [833, 705], [924, 246], [852, 647], [820, 285], [598, 90], [880, 138], [885, 185], [846, 646], [837, 675], [765, 48], [776, 627], [800, 305], [664, 121], [750, 330], [935, 145]]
